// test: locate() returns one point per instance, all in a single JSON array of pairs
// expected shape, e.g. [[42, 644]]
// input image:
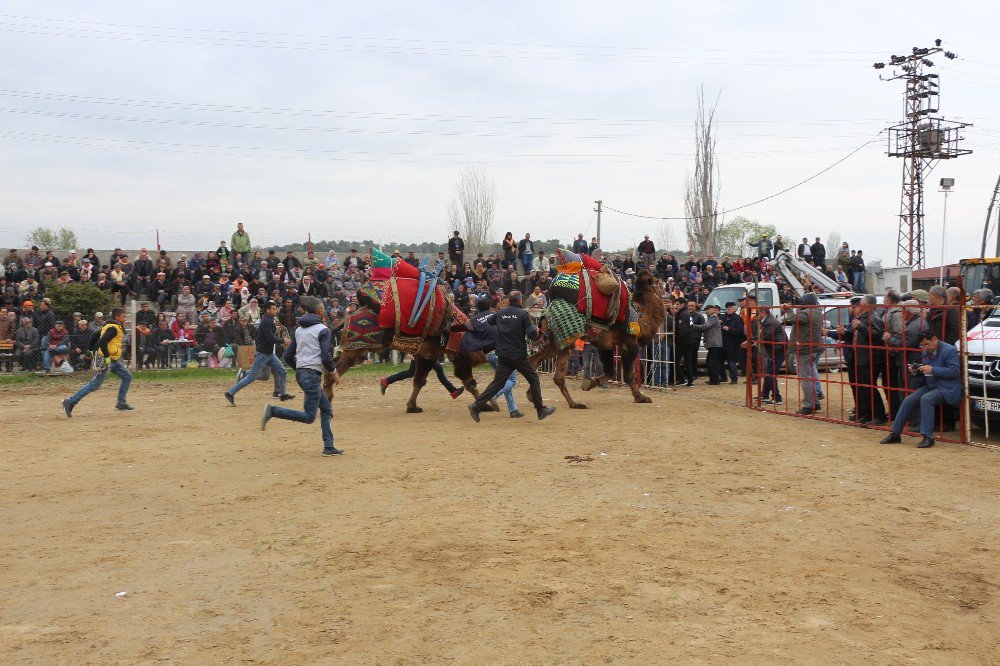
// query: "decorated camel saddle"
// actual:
[[585, 299]]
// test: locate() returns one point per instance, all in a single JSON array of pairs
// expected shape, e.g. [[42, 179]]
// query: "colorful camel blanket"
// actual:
[[565, 323], [399, 298], [362, 330]]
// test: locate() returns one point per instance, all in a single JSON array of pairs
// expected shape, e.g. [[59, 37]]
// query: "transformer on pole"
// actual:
[[921, 140]]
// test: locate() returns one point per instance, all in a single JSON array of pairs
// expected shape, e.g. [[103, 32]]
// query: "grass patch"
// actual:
[[189, 374]]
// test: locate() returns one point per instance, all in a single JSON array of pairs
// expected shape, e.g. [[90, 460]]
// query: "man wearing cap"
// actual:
[[110, 345], [27, 344], [456, 248], [411, 259], [818, 251], [764, 247], [712, 330], [732, 338]]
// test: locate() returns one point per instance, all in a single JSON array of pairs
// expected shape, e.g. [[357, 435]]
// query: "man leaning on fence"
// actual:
[[807, 333], [939, 369]]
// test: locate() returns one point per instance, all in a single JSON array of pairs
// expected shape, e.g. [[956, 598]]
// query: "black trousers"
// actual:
[[716, 371], [687, 360], [412, 370], [505, 366], [869, 400]]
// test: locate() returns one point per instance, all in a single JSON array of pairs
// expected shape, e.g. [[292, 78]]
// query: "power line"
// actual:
[[752, 203]]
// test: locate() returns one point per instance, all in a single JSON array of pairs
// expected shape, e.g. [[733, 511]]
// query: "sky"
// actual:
[[353, 120]]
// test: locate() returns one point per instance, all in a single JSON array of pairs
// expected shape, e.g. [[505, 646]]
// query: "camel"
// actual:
[[430, 349], [652, 314]]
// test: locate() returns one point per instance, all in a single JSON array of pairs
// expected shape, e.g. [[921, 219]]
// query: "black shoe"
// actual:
[[333, 452], [516, 414], [124, 406], [734, 381], [285, 397], [268, 412], [230, 398], [806, 411], [891, 438], [475, 412], [545, 411], [864, 421], [880, 422], [689, 385], [926, 443], [67, 407]]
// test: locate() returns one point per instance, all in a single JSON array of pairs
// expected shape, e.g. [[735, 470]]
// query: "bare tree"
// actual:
[[701, 194], [472, 210], [833, 244]]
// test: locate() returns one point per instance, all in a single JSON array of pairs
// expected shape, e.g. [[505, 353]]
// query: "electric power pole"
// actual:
[[921, 140], [599, 202], [986, 227]]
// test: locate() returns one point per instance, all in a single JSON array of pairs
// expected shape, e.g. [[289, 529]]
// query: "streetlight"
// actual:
[[946, 185]]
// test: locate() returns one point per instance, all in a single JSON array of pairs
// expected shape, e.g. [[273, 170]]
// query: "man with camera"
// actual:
[[940, 370]]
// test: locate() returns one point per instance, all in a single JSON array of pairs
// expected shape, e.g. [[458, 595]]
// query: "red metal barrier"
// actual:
[[869, 353]]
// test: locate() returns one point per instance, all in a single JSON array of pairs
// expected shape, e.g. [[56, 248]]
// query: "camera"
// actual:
[[914, 367]]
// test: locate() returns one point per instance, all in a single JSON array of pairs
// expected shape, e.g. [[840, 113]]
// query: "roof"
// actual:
[[935, 272]]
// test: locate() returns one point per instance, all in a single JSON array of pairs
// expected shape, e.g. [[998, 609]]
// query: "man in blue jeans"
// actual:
[[265, 339], [940, 369], [508, 389], [310, 353], [110, 345]]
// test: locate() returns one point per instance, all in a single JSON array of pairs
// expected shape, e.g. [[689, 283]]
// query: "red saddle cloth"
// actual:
[[600, 302], [404, 293]]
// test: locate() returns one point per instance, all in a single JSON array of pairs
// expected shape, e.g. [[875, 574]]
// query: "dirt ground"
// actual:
[[688, 530]]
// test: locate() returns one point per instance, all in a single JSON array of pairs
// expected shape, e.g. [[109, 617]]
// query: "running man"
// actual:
[[265, 339], [310, 352], [109, 360], [385, 382]]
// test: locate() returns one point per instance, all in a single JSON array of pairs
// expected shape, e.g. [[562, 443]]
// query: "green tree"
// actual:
[[82, 297], [48, 239], [732, 237]]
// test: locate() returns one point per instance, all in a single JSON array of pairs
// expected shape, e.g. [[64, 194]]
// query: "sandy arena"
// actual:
[[688, 530]]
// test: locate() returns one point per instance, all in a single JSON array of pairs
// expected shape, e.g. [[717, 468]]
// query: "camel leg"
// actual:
[[559, 378], [424, 366], [630, 352]]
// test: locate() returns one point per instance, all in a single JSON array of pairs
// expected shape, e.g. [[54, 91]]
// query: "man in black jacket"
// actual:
[[818, 253], [513, 326], [732, 337], [265, 340], [456, 249], [688, 340]]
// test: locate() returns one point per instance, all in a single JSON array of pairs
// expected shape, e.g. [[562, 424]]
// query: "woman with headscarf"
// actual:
[[251, 311], [331, 259]]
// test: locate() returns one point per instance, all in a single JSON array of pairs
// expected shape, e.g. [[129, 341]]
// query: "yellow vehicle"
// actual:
[[979, 273]]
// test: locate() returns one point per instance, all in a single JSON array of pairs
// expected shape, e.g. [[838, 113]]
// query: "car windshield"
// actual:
[[725, 294]]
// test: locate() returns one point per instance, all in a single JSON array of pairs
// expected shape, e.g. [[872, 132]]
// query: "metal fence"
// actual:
[[872, 362]]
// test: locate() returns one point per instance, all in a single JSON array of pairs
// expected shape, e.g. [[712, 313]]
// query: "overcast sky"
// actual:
[[352, 120]]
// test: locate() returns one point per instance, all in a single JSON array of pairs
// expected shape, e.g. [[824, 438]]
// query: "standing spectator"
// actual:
[[868, 358], [818, 253], [772, 337], [592, 366], [594, 249], [712, 329], [779, 245], [509, 246], [580, 246], [240, 244], [110, 344], [456, 248], [686, 317], [805, 251], [982, 308], [844, 259], [764, 247], [732, 340], [858, 272], [893, 332], [807, 332], [526, 252], [647, 252], [310, 353], [943, 319]]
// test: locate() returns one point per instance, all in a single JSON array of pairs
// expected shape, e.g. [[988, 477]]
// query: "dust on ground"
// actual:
[[688, 530]]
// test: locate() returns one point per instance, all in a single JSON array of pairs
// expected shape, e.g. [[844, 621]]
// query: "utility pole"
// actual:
[[599, 202], [921, 140], [986, 227]]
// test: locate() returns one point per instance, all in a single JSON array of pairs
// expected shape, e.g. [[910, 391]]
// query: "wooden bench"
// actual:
[[7, 354]]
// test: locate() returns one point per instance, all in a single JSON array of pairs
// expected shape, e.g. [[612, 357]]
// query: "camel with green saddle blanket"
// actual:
[[603, 315]]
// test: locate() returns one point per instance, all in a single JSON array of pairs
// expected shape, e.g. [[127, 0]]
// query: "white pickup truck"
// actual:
[[836, 312]]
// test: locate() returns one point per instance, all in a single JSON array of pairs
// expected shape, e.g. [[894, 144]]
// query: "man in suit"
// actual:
[[941, 370]]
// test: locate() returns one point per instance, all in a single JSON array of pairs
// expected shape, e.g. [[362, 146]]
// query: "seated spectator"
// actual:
[[27, 345], [80, 355], [940, 370], [57, 347]]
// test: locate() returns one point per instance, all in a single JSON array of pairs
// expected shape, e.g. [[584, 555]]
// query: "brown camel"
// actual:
[[427, 353], [649, 304]]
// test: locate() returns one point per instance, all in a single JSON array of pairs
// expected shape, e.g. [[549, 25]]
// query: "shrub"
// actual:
[[83, 297]]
